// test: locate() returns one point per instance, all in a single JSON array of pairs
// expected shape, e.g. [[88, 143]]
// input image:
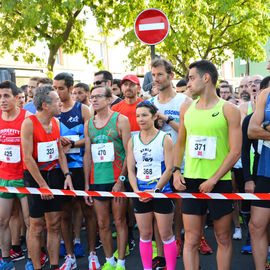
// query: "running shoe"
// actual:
[[98, 242], [69, 264], [93, 261], [237, 234], [159, 263], [4, 265], [78, 250], [131, 244], [43, 259], [108, 266], [119, 267], [115, 254], [62, 252], [179, 245], [204, 248], [246, 249], [29, 265], [16, 256]]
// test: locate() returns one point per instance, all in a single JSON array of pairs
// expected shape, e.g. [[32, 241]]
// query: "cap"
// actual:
[[132, 78]]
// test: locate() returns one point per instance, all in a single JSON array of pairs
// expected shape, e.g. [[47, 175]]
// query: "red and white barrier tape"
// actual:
[[215, 196]]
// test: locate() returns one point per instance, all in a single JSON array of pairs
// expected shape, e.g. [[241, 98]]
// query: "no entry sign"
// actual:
[[151, 26]]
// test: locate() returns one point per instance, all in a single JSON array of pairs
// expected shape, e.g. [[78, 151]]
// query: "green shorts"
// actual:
[[11, 183]]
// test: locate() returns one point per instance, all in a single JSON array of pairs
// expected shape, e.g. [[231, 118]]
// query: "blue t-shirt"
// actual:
[[30, 107]]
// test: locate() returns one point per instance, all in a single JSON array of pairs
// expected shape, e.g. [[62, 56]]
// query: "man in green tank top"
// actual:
[[210, 136], [106, 137]]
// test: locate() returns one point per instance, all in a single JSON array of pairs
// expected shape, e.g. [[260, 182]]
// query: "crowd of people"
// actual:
[[195, 137]]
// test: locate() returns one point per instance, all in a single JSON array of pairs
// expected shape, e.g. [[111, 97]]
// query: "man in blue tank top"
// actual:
[[72, 118], [259, 128]]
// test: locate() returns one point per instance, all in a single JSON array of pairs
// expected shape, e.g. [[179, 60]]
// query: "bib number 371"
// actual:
[[202, 147]]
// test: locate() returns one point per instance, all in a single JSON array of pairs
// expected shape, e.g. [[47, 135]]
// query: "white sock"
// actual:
[[111, 260], [121, 262]]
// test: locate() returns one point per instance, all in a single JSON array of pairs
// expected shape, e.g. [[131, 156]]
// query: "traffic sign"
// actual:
[[151, 26]]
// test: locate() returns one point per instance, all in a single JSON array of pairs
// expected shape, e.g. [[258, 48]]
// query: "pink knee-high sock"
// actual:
[[170, 252], [146, 250]]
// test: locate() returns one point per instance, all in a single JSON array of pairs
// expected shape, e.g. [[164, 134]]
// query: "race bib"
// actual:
[[149, 171], [102, 152], [47, 151], [202, 147], [10, 153], [75, 150]]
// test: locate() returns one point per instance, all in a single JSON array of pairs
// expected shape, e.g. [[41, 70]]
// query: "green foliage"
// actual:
[[55, 22], [199, 29]]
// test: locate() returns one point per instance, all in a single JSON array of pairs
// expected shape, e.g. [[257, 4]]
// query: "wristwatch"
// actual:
[[72, 144], [266, 124], [157, 190], [122, 178], [68, 173], [175, 168], [170, 118]]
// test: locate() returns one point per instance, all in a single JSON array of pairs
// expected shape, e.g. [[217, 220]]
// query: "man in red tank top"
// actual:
[[41, 152], [11, 169]]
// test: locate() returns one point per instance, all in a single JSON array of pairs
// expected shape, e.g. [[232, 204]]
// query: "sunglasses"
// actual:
[[100, 82]]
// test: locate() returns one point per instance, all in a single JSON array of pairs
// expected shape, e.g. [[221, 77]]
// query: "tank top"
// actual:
[[207, 141], [107, 150], [11, 166], [150, 162], [264, 161], [45, 145], [171, 108], [72, 127]]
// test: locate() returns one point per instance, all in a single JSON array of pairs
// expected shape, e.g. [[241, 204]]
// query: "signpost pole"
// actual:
[[152, 52]]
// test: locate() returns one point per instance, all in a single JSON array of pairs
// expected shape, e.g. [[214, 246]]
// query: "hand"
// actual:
[[146, 200], [46, 197], [65, 141], [68, 183], [162, 116], [249, 186], [89, 200], [207, 186], [179, 181], [66, 148], [119, 187]]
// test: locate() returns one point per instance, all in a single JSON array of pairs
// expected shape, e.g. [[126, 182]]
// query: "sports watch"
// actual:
[[265, 124], [170, 118], [157, 190], [174, 169]]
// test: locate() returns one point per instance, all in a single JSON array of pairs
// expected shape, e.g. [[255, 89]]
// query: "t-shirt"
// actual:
[[30, 107], [129, 110]]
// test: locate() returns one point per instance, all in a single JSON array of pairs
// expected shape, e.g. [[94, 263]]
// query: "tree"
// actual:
[[199, 29], [55, 22]]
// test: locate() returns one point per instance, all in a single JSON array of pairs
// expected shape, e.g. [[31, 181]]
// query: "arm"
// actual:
[[243, 111], [179, 149], [87, 161], [124, 132], [168, 158], [233, 117], [131, 167], [27, 149], [62, 160], [255, 129]]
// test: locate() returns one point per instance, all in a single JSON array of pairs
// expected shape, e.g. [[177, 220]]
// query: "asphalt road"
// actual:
[[133, 261]]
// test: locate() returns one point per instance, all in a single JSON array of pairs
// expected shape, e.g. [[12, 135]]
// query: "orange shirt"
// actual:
[[129, 110]]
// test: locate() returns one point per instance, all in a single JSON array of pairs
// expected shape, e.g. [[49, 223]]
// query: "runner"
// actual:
[[260, 210], [149, 166], [106, 138], [11, 168], [72, 118], [210, 132], [41, 151]]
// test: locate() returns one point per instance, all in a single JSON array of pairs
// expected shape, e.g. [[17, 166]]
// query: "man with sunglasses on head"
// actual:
[[31, 90], [105, 78], [254, 91]]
